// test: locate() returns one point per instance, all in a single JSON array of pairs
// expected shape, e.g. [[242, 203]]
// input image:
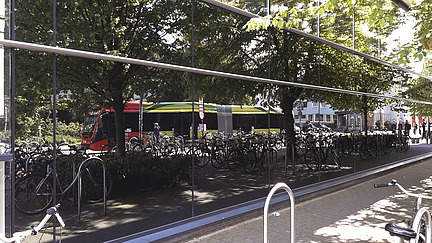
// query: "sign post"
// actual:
[[201, 114]]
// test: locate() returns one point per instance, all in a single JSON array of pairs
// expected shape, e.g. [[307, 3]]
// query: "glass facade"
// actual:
[[184, 157]]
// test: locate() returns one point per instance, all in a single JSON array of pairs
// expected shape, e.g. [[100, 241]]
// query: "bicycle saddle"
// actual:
[[401, 229]]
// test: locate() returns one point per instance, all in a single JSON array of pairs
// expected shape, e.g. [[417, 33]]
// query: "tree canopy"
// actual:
[[162, 31]]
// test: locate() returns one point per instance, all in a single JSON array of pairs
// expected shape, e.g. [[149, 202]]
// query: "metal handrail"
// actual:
[[278, 186]]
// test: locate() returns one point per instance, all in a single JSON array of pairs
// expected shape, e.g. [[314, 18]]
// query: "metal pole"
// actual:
[[193, 106], [12, 117], [353, 25], [54, 113], [269, 96], [140, 119]]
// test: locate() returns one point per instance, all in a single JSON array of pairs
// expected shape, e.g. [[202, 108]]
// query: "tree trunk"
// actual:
[[119, 123], [365, 113]]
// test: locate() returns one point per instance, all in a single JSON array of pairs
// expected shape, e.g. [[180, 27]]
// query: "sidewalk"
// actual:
[[355, 214]]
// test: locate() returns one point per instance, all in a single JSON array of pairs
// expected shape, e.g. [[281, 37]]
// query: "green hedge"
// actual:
[[142, 171]]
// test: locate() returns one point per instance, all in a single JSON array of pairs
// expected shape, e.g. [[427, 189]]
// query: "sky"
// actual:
[[404, 35]]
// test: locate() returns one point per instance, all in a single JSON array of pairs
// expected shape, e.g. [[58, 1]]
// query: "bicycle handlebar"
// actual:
[[395, 183], [22, 235]]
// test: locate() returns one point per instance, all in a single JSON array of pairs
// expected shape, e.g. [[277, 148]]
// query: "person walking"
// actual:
[[393, 126], [407, 128], [156, 132], [307, 126], [424, 129], [400, 127]]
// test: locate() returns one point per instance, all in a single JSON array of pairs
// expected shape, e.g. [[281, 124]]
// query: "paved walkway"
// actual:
[[356, 214]]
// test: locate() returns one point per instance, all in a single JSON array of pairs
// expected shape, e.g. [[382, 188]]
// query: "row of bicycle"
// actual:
[[317, 149], [247, 151], [78, 177]]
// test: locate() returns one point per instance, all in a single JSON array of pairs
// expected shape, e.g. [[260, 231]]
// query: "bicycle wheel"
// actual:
[[202, 158], [334, 157], [363, 151], [268, 159], [233, 159], [419, 223], [137, 147], [249, 162], [389, 144], [218, 159], [347, 146], [92, 181], [311, 160], [33, 194], [406, 144]]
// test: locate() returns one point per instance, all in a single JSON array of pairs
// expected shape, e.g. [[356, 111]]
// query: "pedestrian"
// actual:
[[407, 127], [393, 126], [307, 126], [429, 132], [400, 127], [156, 132]]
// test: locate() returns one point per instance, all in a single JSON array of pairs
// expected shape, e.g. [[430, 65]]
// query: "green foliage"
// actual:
[[142, 171], [421, 45], [332, 125], [378, 124], [387, 124], [420, 89], [42, 129]]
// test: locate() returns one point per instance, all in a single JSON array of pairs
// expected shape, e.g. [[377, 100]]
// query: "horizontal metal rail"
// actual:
[[100, 56], [354, 52], [230, 8], [247, 14]]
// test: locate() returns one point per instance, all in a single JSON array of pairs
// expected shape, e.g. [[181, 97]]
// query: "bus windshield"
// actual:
[[90, 121]]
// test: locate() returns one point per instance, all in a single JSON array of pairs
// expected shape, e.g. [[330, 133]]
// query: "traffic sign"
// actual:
[[201, 109]]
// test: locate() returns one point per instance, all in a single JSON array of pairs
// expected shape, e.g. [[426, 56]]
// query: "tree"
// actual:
[[134, 29], [420, 89], [420, 46], [300, 60]]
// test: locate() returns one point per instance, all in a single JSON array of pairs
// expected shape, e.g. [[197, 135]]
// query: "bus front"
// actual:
[[90, 125]]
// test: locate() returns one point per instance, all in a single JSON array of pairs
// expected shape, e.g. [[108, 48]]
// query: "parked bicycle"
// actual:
[[416, 229], [35, 192], [319, 151], [22, 235]]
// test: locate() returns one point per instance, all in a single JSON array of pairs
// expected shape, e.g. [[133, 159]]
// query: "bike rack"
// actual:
[[278, 186], [293, 156], [80, 184]]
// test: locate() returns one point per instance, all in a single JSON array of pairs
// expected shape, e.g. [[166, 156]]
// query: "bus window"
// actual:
[[90, 122]]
